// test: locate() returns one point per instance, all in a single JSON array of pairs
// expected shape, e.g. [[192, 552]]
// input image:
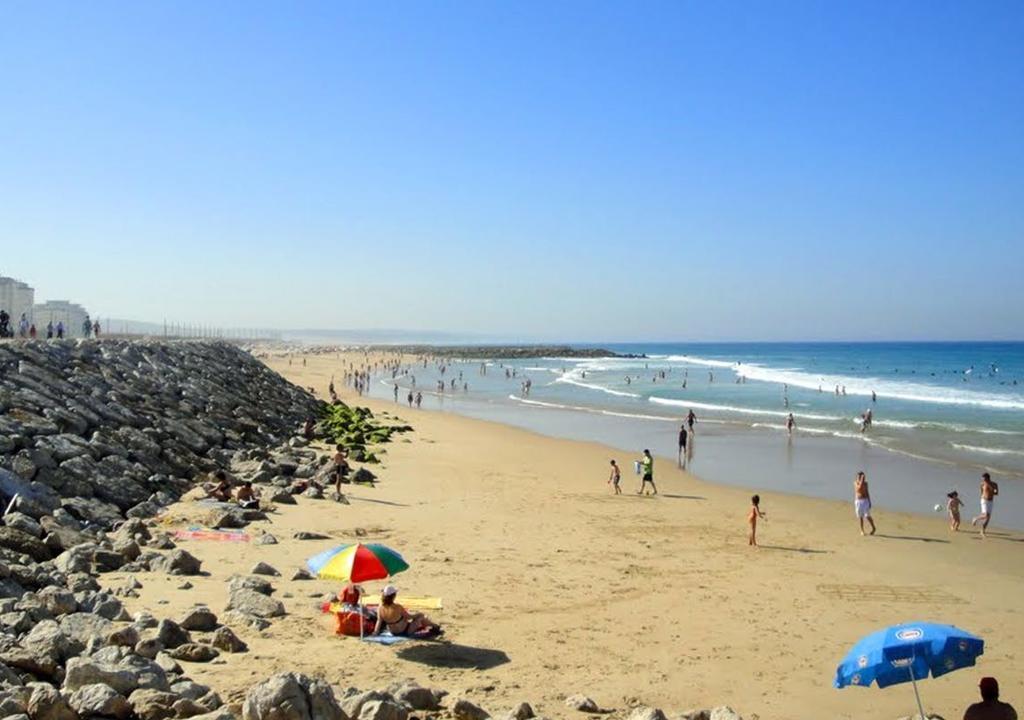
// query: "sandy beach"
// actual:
[[553, 586]]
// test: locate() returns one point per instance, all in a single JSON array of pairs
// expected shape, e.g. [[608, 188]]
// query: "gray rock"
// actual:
[[57, 600], [582, 703], [291, 696], [149, 648], [194, 652], [171, 634], [153, 704], [463, 709], [241, 619], [189, 689], [24, 523], [418, 698], [522, 711], [84, 627], [199, 618], [383, 710], [225, 639], [724, 712], [127, 636], [179, 562], [250, 582], [265, 539], [251, 602], [644, 712], [24, 544], [99, 699], [305, 535], [262, 568], [46, 703]]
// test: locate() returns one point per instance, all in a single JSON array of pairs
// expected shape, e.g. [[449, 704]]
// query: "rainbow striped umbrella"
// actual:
[[357, 562]]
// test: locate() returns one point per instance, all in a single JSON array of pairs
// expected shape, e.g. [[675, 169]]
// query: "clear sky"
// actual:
[[531, 170]]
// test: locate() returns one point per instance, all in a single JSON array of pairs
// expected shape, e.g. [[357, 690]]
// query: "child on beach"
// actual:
[[755, 513], [953, 505], [615, 477]]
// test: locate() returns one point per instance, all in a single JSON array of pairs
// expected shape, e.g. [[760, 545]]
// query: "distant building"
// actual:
[[71, 314], [16, 298]]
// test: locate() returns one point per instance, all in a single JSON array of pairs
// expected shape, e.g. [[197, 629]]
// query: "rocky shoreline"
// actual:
[[98, 441]]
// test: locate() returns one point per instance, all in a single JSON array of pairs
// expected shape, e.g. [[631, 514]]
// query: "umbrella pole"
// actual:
[[361, 629], [917, 695]]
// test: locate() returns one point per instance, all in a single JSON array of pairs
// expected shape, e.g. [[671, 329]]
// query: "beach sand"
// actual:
[[553, 586]]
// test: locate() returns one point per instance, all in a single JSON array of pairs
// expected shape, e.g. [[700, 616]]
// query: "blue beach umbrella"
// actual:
[[908, 653]]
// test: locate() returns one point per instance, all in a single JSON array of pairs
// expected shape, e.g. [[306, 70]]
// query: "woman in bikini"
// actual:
[[397, 619]]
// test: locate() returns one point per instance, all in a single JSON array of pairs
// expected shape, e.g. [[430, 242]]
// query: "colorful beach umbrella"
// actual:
[[908, 653], [357, 563]]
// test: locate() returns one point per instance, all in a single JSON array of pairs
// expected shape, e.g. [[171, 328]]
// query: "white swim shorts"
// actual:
[[986, 507], [862, 506]]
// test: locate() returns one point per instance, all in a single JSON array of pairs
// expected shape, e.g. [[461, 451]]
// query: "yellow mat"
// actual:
[[407, 601]]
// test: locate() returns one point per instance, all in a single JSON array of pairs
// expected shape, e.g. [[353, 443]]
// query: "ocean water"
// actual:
[[956, 409]]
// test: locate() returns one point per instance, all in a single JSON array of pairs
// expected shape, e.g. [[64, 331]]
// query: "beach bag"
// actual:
[[348, 622]]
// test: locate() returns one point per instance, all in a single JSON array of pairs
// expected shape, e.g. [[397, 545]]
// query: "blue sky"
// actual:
[[580, 171]]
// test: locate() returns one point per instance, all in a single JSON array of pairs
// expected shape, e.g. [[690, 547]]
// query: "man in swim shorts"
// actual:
[[862, 501], [989, 490]]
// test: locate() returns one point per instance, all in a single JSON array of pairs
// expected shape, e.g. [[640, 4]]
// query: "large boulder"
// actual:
[[254, 603], [46, 703], [291, 696], [99, 699], [24, 544], [153, 704], [199, 618], [178, 562]]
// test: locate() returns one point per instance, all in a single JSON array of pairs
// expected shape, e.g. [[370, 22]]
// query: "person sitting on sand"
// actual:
[[399, 621], [990, 707], [862, 501], [953, 505], [246, 497], [349, 598], [614, 477], [222, 490], [755, 513]]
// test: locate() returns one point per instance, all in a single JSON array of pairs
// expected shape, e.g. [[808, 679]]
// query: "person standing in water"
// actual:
[[691, 418], [647, 470], [682, 445], [862, 501], [790, 424], [615, 477], [989, 490]]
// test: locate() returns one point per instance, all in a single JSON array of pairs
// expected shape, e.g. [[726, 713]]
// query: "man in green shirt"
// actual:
[[647, 464]]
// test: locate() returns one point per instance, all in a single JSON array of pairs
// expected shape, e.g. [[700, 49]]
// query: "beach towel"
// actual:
[[194, 534], [386, 639]]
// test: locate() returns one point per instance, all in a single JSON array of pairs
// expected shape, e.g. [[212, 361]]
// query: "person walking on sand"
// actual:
[[682, 445], [953, 505], [691, 418], [990, 707], [419, 400], [755, 513], [614, 477], [790, 424], [410, 398], [989, 490], [862, 501], [647, 470]]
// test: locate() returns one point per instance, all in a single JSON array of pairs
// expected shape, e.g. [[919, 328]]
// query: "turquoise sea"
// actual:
[[941, 412]]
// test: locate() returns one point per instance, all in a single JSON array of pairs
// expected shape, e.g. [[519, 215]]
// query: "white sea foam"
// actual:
[[575, 377], [741, 410], [595, 411], [987, 450]]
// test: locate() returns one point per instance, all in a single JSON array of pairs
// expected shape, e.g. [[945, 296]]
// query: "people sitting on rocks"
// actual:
[[222, 490], [399, 621], [246, 497], [309, 429]]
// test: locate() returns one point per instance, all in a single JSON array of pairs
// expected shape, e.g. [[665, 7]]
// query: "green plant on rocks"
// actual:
[[355, 428]]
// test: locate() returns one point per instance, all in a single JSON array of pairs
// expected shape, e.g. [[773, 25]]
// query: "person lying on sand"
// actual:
[[400, 621]]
